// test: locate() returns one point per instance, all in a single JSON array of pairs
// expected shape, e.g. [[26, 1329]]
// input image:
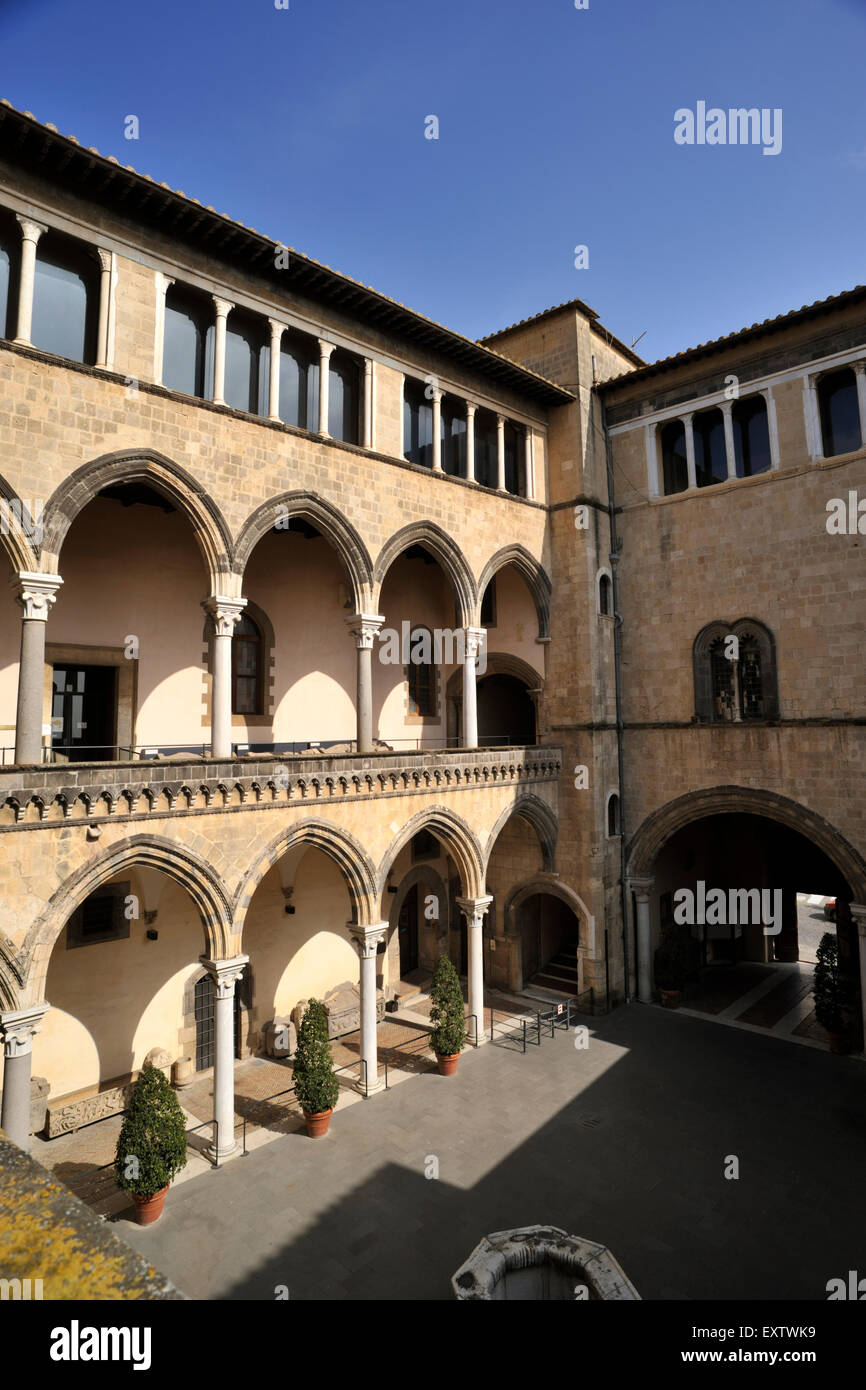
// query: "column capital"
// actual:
[[277, 328], [859, 368], [474, 639], [858, 912], [325, 348], [104, 259], [226, 973], [19, 1026], [225, 612], [35, 592], [726, 407], [471, 408], [223, 306], [641, 887], [31, 230], [364, 628], [366, 939], [474, 909]]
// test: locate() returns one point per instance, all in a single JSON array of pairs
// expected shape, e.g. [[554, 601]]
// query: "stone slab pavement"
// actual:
[[625, 1142]]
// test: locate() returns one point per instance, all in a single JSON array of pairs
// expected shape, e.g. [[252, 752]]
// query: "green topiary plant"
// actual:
[[316, 1084], [830, 990], [151, 1146], [449, 1035]]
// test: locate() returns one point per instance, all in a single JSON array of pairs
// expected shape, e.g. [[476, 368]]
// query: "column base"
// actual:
[[217, 1154], [377, 1085]]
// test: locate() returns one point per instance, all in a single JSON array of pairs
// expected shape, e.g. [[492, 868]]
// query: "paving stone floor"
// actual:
[[625, 1142]]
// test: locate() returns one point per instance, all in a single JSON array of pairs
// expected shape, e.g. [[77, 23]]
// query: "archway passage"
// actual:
[[549, 934], [506, 714]]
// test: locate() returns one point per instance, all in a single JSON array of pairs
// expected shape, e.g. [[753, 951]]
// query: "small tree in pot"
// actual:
[[832, 994], [671, 964], [316, 1084], [151, 1146], [448, 1014]]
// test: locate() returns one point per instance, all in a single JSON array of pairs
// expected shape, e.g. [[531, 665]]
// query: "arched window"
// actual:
[[247, 668], [299, 381], [514, 460], [246, 377], [840, 413], [486, 449], [711, 463], [735, 673], [10, 261], [417, 424], [605, 595], [453, 437], [344, 398], [65, 298], [187, 364], [751, 436], [674, 465], [421, 674], [613, 815]]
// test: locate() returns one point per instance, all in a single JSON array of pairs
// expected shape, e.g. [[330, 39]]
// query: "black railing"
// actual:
[[531, 1028]]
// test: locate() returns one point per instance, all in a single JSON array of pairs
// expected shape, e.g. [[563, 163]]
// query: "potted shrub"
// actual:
[[671, 966], [316, 1084], [832, 994], [151, 1146], [448, 1014]]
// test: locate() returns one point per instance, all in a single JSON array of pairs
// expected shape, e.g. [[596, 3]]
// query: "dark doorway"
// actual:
[[83, 706], [407, 928], [506, 714], [205, 1031]]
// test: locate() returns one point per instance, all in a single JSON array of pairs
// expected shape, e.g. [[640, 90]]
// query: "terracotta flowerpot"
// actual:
[[447, 1063], [317, 1124], [149, 1209], [670, 998]]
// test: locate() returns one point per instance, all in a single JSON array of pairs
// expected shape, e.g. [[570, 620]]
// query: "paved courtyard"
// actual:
[[625, 1142]]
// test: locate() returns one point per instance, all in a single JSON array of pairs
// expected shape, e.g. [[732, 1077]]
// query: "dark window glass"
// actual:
[[840, 413], [722, 679], [488, 605], [100, 918], [246, 372], [751, 683], [674, 465], [425, 846], [187, 364], [486, 451], [65, 293], [453, 437], [10, 258], [605, 604], [751, 436], [246, 668], [417, 425], [299, 383], [422, 697], [513, 460], [711, 464], [343, 399], [613, 816]]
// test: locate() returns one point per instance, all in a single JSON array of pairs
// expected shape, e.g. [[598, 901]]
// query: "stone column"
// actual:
[[277, 330], [364, 627], [858, 912], [18, 1026], [472, 639], [500, 452], [226, 974], [528, 464], [162, 284], [104, 305], [325, 350], [641, 888], [690, 449], [223, 309], [437, 431], [366, 941], [470, 441], [773, 427], [30, 233], [225, 613], [36, 593], [367, 438], [474, 910], [730, 451]]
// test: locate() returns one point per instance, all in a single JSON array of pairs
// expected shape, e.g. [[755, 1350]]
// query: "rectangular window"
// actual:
[[100, 918]]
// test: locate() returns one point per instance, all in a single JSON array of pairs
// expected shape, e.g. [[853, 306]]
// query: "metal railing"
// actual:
[[533, 1027]]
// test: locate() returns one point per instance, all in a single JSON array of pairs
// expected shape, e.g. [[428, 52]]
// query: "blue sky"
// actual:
[[555, 130]]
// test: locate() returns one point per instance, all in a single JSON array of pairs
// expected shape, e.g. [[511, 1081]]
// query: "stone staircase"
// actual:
[[559, 973]]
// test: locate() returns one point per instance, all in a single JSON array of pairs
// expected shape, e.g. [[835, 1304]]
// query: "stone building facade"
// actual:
[[335, 640]]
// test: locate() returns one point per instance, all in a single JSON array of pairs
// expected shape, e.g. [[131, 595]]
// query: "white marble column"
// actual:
[[500, 452], [642, 887], [223, 309], [226, 974], [730, 450], [18, 1027], [364, 627], [858, 913], [470, 441], [325, 350], [366, 941], [277, 330], [367, 436], [36, 593], [30, 233], [225, 613], [437, 431], [474, 910], [472, 639], [860, 374], [528, 464], [690, 449], [162, 284], [104, 306]]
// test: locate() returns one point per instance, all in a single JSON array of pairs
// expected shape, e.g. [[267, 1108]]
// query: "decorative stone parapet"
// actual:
[[540, 1263], [98, 792]]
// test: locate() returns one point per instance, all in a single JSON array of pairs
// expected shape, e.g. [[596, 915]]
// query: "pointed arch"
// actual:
[[18, 526], [339, 532], [458, 838], [146, 466], [445, 550], [174, 860], [349, 855], [553, 885], [535, 575], [540, 816]]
